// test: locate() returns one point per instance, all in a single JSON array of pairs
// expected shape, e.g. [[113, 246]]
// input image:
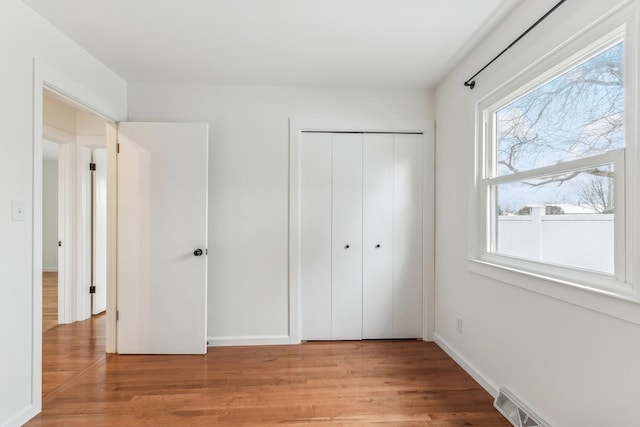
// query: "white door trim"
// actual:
[[45, 76], [299, 125], [58, 135], [112, 236]]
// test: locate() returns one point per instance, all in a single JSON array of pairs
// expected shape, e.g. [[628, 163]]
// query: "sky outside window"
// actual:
[[578, 114]]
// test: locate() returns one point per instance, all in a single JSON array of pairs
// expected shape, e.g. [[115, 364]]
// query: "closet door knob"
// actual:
[[378, 245], [346, 246]]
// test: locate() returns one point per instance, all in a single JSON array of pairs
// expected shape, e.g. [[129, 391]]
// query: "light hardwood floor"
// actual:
[[49, 300], [339, 383]]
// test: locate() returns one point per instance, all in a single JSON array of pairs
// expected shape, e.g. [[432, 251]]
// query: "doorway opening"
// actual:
[[74, 210], [50, 269]]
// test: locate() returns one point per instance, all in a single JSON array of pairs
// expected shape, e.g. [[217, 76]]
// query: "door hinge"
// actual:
[[118, 148], [60, 243], [92, 289], [92, 166], [117, 315]]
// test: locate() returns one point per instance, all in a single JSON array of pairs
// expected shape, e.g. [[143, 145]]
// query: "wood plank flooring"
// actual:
[[409, 383], [49, 300]]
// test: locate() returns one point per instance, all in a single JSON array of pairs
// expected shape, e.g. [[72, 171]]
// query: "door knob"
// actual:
[[346, 246], [198, 252]]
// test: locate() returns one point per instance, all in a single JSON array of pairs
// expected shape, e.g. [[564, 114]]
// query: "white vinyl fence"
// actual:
[[576, 240]]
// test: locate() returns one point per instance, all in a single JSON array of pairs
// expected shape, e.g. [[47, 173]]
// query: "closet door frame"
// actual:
[[297, 126]]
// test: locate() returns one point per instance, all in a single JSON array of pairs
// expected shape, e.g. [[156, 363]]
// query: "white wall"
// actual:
[[58, 114], [23, 37], [574, 366], [248, 185], [88, 124], [50, 215]]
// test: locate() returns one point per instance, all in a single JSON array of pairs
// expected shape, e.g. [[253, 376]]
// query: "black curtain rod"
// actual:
[[470, 83]]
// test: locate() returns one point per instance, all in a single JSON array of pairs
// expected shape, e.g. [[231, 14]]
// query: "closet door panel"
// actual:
[[315, 236], [407, 269], [347, 237], [377, 247]]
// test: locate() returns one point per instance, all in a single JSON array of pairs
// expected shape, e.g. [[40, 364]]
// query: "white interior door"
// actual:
[[66, 233], [346, 275], [162, 224], [99, 303], [83, 232], [315, 249], [377, 246]]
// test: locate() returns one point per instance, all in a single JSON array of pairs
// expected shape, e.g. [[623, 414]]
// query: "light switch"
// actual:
[[19, 213]]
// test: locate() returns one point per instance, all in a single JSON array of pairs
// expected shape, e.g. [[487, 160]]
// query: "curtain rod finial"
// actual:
[[470, 84]]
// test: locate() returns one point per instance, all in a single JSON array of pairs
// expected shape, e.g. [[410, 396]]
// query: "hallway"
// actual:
[[49, 300]]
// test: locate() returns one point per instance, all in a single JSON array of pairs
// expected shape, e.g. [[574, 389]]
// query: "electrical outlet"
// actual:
[[459, 324]]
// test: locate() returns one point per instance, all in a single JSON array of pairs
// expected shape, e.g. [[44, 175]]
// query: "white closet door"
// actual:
[[346, 277], [407, 265], [377, 215], [315, 236]]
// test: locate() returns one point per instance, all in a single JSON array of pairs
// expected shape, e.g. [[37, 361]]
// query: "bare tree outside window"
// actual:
[[577, 115], [598, 195]]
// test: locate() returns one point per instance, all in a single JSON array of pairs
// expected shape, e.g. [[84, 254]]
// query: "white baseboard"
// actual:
[[248, 340], [49, 269], [469, 367], [20, 419]]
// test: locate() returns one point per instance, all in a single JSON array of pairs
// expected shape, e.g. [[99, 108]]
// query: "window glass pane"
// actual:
[[565, 219], [576, 115]]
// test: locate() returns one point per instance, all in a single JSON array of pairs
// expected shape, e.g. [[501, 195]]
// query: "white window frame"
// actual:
[[578, 286], [614, 282]]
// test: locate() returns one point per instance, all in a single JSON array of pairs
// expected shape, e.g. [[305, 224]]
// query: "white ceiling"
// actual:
[[314, 43]]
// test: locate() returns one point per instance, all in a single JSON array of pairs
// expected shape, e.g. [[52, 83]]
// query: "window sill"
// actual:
[[624, 307]]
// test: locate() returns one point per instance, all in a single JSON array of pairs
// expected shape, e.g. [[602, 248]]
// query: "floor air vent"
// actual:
[[517, 412]]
